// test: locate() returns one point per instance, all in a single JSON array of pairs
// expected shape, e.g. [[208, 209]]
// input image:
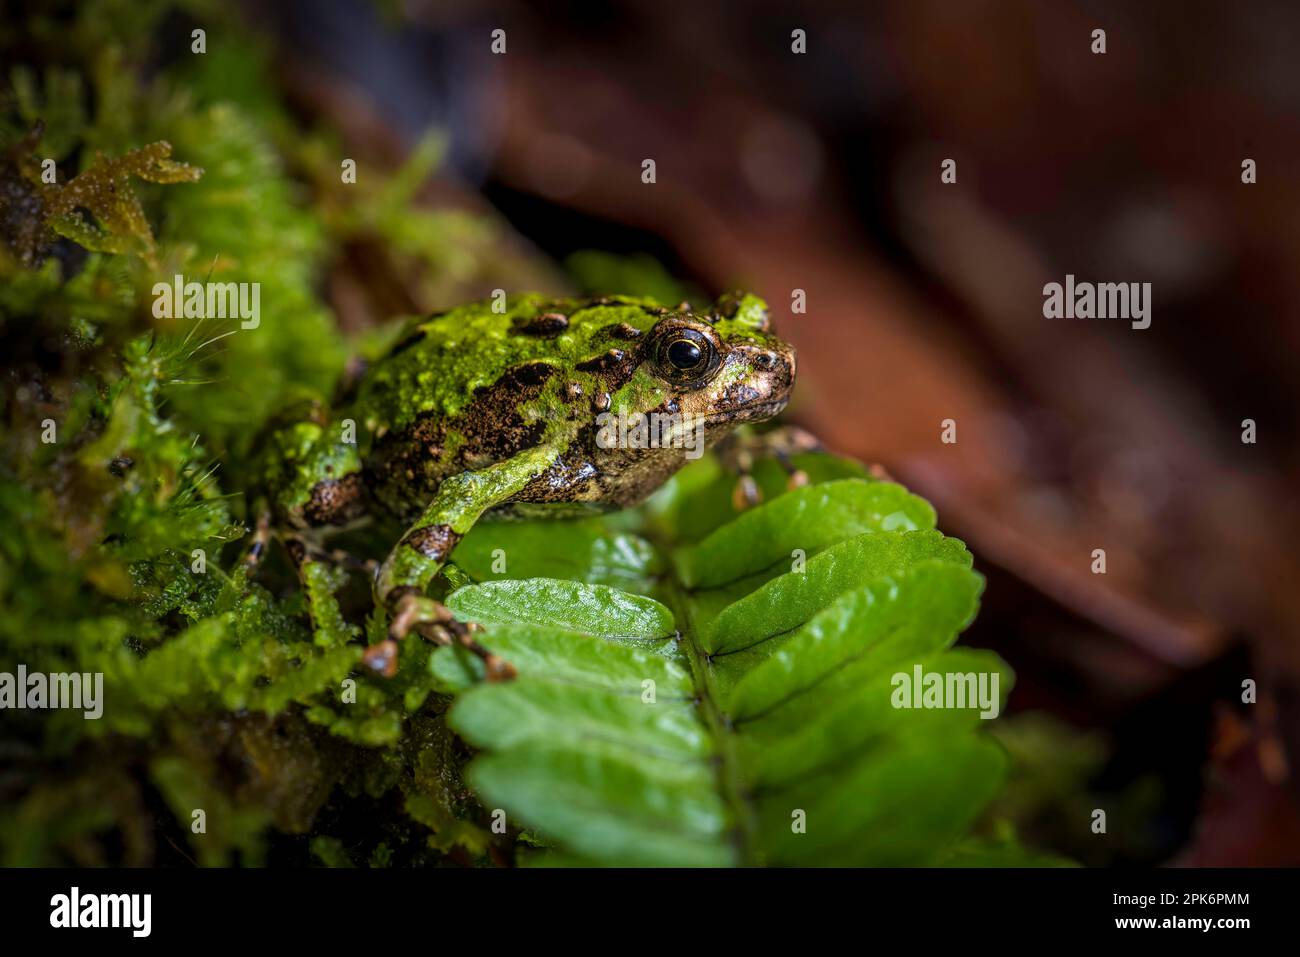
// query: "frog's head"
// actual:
[[723, 366], [693, 377]]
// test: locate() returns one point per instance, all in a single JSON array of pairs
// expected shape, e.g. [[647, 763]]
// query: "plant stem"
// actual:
[[730, 780]]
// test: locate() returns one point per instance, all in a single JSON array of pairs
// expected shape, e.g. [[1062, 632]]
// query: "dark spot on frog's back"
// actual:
[[528, 376], [546, 326], [622, 330], [408, 464], [520, 382], [492, 425], [605, 363], [434, 542]]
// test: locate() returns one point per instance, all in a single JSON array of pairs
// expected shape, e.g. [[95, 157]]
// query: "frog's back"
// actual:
[[441, 362], [471, 386]]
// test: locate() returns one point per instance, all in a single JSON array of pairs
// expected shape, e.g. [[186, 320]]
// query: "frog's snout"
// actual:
[[779, 362], [774, 369], [767, 385]]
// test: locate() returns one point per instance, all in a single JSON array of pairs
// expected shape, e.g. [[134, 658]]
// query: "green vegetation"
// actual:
[[742, 714]]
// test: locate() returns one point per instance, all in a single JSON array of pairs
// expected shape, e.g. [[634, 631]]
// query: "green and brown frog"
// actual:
[[497, 408]]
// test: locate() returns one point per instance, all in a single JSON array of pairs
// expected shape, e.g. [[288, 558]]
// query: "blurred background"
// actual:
[[819, 172], [779, 171]]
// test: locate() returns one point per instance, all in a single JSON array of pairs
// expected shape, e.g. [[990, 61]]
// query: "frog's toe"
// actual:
[[257, 548], [498, 669], [434, 622], [495, 667], [414, 611], [746, 493], [381, 658]]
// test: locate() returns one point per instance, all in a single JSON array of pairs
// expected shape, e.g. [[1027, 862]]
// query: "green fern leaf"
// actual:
[[742, 709]]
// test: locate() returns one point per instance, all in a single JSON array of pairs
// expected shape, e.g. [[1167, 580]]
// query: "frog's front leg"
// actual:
[[416, 560]]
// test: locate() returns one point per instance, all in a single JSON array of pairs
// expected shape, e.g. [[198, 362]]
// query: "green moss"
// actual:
[[119, 540]]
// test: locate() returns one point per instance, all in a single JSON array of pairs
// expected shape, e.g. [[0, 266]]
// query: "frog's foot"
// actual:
[[785, 442], [745, 493], [740, 450], [261, 538], [434, 622], [381, 658]]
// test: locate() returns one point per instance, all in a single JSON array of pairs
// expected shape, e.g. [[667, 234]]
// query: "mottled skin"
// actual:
[[476, 411]]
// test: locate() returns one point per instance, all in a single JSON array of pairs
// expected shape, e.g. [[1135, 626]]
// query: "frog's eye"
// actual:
[[686, 354]]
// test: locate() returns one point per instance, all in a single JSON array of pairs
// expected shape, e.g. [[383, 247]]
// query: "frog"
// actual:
[[500, 409]]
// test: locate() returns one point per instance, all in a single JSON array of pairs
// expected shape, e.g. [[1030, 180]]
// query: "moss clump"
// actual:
[[234, 728], [97, 208]]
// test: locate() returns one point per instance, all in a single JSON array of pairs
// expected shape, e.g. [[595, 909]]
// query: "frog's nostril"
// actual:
[[765, 361]]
